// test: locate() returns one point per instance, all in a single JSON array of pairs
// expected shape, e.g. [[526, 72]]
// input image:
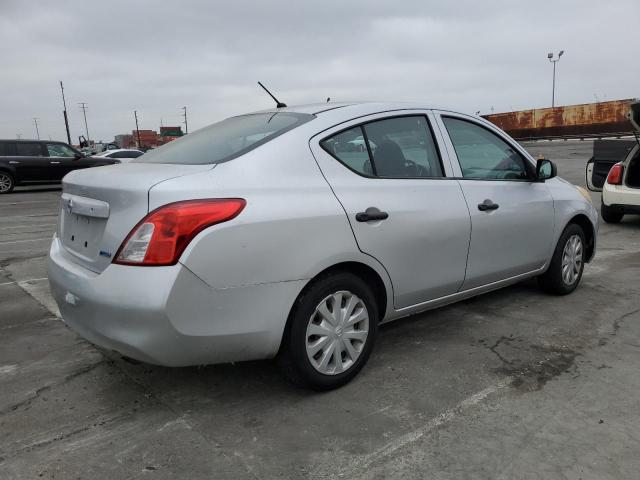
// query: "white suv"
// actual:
[[621, 189]]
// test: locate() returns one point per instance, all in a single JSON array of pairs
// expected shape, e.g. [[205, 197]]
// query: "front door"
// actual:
[[391, 180], [512, 215], [62, 159]]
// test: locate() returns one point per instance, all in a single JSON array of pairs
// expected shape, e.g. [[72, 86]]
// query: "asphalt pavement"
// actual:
[[512, 384]]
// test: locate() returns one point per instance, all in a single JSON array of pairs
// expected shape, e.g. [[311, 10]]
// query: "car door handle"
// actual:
[[13, 162], [370, 214], [54, 163], [488, 205]]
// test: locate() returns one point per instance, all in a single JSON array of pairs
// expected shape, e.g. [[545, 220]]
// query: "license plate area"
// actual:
[[82, 235]]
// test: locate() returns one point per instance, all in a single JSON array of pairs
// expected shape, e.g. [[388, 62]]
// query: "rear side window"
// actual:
[[400, 147], [29, 149], [226, 140], [7, 149]]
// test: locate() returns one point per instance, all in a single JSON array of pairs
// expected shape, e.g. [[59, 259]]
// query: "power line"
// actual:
[[186, 125], [83, 107], [35, 122]]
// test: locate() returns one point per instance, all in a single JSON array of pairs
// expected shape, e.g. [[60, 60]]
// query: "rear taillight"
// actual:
[[615, 174], [161, 236]]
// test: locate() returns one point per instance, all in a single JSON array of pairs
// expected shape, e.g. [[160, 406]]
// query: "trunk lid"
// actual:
[[100, 206]]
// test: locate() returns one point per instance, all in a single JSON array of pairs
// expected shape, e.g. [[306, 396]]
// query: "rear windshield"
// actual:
[[225, 140]]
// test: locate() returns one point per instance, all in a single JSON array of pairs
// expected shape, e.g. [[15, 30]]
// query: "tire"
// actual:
[[611, 214], [564, 273], [298, 359], [6, 182]]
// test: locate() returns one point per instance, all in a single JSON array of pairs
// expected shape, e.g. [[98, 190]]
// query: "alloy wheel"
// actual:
[[572, 259], [337, 332], [5, 183]]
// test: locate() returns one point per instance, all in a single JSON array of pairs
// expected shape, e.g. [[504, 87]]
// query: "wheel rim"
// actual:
[[572, 259], [5, 183], [337, 332]]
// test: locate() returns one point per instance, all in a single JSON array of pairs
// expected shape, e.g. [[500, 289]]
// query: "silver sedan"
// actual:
[[293, 233]]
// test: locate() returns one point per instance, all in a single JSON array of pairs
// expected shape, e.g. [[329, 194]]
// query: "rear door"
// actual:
[[512, 216], [389, 176], [606, 153], [32, 163]]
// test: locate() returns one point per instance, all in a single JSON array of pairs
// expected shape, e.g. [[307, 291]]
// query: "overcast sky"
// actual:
[[156, 56]]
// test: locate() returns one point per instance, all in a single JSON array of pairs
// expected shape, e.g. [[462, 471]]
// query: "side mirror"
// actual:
[[545, 169], [77, 156]]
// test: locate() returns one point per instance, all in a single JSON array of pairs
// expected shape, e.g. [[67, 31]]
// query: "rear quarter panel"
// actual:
[[292, 227]]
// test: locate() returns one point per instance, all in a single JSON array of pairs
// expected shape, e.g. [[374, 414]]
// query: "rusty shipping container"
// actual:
[[588, 119]]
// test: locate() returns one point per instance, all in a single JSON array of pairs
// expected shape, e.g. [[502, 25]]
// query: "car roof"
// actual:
[[30, 140], [343, 111], [107, 152]]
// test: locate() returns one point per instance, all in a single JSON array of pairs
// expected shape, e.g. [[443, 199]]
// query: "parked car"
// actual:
[[25, 162], [619, 182], [214, 248], [124, 155]]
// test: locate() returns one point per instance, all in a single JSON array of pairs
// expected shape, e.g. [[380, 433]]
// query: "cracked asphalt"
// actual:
[[514, 384]]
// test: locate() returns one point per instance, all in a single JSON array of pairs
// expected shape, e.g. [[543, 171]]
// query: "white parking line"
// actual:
[[25, 281], [27, 201], [448, 415], [29, 225], [23, 241]]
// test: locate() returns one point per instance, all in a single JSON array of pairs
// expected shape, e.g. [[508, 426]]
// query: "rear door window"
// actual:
[[29, 149], [7, 149], [399, 147], [226, 140]]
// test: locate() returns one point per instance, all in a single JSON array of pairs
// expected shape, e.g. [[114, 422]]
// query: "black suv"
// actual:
[[24, 162]]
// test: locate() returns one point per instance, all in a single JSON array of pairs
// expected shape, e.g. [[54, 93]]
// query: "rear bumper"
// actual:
[[167, 315], [620, 195]]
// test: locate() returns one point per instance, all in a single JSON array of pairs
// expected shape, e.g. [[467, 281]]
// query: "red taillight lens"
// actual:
[[615, 174], [161, 236]]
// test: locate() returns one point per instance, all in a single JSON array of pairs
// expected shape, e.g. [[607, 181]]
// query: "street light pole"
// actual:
[[553, 88], [83, 107], [35, 122]]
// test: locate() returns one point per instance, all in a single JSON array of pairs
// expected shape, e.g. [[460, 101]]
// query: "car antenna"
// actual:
[[279, 104]]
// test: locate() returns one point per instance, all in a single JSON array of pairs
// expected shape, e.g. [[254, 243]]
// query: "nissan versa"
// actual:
[[294, 232]]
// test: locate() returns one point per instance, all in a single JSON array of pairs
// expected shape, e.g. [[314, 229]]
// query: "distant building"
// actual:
[[124, 140], [148, 138]]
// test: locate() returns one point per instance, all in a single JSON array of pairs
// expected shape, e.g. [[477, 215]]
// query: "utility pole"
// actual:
[[135, 114], [83, 107], [186, 125], [35, 122], [64, 112], [553, 89]]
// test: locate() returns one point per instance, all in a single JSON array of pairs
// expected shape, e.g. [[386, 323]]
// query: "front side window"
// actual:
[[59, 150], [227, 139], [483, 155], [400, 147], [29, 149]]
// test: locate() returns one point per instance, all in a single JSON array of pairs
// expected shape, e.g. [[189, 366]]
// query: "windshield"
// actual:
[[225, 140]]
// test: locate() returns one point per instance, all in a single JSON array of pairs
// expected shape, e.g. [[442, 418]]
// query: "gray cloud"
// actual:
[[158, 56]]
